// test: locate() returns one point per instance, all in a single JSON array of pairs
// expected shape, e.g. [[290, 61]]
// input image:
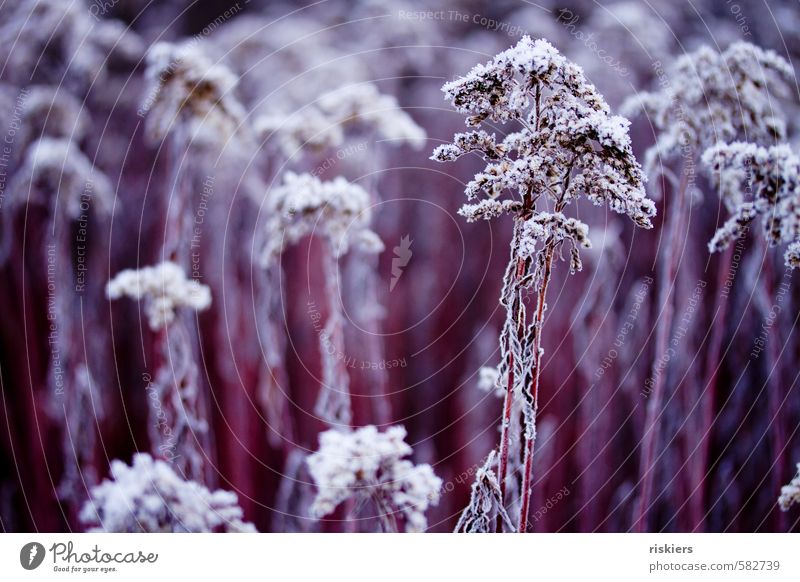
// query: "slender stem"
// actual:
[[663, 328], [505, 434], [709, 390], [530, 440]]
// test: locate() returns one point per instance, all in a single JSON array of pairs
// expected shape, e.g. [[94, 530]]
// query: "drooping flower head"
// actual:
[[187, 90], [337, 210], [370, 464], [164, 287], [323, 124], [754, 182], [149, 496]]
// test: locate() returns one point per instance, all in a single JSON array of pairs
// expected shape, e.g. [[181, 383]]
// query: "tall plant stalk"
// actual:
[[568, 145], [666, 300]]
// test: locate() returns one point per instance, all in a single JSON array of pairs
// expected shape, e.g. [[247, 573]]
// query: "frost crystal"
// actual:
[[790, 494], [709, 97], [368, 464], [150, 497], [323, 124], [186, 87], [164, 287], [337, 210], [485, 502], [755, 181]]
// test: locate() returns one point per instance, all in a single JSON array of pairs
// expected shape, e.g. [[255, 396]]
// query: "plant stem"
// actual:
[[709, 390], [663, 328], [530, 432]]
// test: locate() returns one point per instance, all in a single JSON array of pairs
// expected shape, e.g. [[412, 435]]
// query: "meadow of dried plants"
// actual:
[[394, 265]]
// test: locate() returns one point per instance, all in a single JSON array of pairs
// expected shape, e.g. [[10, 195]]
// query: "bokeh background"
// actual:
[[77, 69]]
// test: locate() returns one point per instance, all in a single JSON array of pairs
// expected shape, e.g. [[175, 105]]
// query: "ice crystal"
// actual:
[[754, 182], [337, 210], [149, 496], [187, 88], [790, 494], [369, 464], [164, 287]]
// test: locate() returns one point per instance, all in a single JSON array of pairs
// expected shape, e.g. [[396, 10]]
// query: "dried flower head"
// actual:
[[709, 97], [55, 171], [187, 89], [756, 181], [337, 210], [323, 124], [369, 464], [150, 497], [568, 142], [54, 113], [164, 287], [790, 494]]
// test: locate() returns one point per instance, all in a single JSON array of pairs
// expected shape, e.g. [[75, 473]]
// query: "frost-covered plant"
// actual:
[[710, 96], [187, 90], [369, 465], [164, 288], [323, 124], [485, 502], [55, 173], [337, 211], [790, 494], [150, 497], [754, 182], [567, 144]]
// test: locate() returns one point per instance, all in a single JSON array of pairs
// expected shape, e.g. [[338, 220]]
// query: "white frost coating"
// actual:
[[323, 124], [337, 210], [150, 497], [790, 494], [756, 181], [367, 463], [186, 88], [165, 289], [56, 167]]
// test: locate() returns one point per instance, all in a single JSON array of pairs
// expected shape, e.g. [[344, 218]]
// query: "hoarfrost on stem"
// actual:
[[369, 464], [164, 287], [149, 496]]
